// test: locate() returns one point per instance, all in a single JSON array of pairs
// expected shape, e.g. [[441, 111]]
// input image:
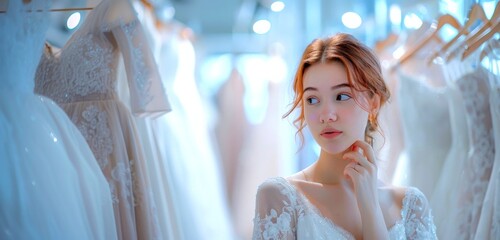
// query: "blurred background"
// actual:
[[245, 54]]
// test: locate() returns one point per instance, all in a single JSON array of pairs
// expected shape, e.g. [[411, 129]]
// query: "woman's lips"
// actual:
[[330, 133]]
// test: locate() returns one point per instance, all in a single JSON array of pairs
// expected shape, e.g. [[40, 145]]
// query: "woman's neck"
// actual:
[[328, 169]]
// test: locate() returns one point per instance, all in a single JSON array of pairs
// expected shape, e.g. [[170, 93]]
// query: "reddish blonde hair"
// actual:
[[363, 74]]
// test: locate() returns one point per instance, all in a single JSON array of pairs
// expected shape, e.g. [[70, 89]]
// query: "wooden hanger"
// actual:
[[478, 34], [491, 23], [57, 10], [475, 45], [487, 50], [388, 41], [442, 21], [148, 4], [475, 14]]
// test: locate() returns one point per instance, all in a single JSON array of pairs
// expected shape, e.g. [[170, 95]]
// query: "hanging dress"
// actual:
[[447, 182], [489, 222], [467, 196], [51, 186], [425, 120], [186, 144], [81, 78], [155, 167]]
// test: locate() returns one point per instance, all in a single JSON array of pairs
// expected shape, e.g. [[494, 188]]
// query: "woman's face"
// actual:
[[334, 118]]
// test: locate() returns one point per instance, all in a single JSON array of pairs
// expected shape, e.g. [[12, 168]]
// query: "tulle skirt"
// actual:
[[51, 186]]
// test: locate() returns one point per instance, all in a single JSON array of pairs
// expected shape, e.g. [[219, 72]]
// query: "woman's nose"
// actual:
[[328, 116]]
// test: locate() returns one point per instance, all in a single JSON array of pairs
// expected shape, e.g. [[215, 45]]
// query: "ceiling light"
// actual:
[[277, 6], [351, 20], [261, 26], [73, 20]]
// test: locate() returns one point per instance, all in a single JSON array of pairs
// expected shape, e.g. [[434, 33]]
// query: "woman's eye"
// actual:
[[312, 100], [343, 97]]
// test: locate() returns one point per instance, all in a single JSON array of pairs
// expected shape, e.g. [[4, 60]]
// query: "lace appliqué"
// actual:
[[299, 218], [481, 157], [121, 174], [68, 77], [140, 70], [418, 221], [276, 225], [495, 111], [94, 127]]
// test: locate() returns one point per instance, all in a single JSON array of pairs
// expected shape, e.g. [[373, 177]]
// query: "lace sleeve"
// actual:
[[275, 216], [147, 96], [417, 216]]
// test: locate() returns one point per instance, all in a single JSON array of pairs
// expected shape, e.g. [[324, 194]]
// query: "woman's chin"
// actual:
[[336, 150]]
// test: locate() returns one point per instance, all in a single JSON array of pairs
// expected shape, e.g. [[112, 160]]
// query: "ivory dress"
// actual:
[[425, 119], [489, 222], [476, 173], [461, 188], [81, 78]]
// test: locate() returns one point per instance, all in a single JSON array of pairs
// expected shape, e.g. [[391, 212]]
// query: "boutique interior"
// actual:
[[167, 132]]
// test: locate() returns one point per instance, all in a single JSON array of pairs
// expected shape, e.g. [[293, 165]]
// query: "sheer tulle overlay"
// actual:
[[51, 186], [81, 78]]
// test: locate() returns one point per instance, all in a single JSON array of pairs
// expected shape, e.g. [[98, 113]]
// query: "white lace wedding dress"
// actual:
[[81, 78], [489, 221], [477, 169], [51, 186], [461, 189], [283, 212]]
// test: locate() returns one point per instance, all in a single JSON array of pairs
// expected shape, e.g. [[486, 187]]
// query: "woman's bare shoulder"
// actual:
[[394, 194]]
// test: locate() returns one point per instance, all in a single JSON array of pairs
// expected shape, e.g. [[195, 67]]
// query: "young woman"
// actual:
[[339, 90]]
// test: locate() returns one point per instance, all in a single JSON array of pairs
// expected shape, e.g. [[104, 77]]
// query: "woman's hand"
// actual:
[[362, 170]]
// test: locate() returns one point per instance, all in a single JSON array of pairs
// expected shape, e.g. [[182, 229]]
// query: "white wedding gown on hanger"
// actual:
[[469, 170], [195, 171], [82, 79], [489, 222], [51, 186], [425, 119], [447, 182], [188, 168]]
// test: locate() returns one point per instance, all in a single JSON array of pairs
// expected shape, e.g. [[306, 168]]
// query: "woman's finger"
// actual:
[[353, 174], [358, 158], [367, 150]]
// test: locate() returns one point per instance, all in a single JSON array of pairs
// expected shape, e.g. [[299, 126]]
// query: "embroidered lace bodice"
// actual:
[[282, 212], [85, 69]]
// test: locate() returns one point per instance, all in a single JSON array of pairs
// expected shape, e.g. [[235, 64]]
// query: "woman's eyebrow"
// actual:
[[332, 88], [341, 86], [310, 89]]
